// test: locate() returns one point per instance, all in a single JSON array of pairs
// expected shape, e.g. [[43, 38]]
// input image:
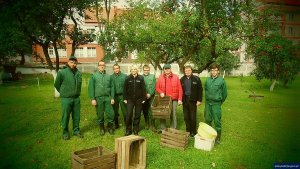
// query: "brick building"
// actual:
[[88, 53], [289, 21]]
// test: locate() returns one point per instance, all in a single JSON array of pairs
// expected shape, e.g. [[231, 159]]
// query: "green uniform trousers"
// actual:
[[70, 106], [119, 102], [213, 112], [147, 108], [104, 105]]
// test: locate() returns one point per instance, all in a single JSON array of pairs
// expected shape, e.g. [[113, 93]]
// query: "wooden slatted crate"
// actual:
[[174, 138], [131, 152], [161, 107], [96, 158]]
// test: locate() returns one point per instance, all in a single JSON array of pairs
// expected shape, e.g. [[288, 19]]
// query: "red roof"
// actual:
[[292, 2]]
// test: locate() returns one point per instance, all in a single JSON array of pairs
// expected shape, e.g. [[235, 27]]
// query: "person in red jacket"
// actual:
[[168, 84]]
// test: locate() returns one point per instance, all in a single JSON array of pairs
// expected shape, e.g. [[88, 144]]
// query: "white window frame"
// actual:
[[62, 52], [51, 52], [80, 52], [91, 52]]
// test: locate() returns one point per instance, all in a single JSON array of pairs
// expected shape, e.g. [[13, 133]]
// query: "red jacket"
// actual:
[[170, 86]]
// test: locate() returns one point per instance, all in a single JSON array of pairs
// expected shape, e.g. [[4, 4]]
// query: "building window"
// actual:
[[290, 16], [62, 53], [51, 52], [79, 52], [291, 31], [91, 52]]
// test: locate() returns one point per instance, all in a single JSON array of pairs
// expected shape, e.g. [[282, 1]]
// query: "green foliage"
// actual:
[[106, 36], [41, 22], [141, 29], [255, 134], [226, 59], [275, 57], [174, 31], [13, 41], [75, 33]]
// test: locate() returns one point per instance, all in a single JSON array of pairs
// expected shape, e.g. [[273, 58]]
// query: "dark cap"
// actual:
[[73, 58], [167, 66]]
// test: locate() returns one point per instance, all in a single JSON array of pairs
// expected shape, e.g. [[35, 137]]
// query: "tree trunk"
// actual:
[[107, 55], [73, 40], [22, 58], [182, 63], [97, 16], [273, 85], [181, 67], [201, 69], [56, 56], [47, 57], [107, 8], [73, 48], [285, 83], [54, 74], [1, 72]]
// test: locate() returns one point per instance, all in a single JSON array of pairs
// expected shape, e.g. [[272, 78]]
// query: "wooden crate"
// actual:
[[131, 152], [96, 158], [161, 107], [174, 138]]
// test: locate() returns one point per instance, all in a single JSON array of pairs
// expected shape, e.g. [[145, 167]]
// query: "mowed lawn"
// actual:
[[256, 133]]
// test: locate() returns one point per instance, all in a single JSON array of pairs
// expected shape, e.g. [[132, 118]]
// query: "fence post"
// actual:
[[38, 82]]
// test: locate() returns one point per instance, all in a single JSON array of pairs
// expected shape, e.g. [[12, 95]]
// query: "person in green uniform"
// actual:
[[150, 82], [119, 78], [215, 95], [102, 93], [68, 83]]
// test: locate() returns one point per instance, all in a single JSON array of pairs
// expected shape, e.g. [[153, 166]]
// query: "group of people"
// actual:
[[134, 94]]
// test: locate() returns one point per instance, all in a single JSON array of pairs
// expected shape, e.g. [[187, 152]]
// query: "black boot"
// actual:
[[218, 139], [102, 131], [117, 124], [110, 128]]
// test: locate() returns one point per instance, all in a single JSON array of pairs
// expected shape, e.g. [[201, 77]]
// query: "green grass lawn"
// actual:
[[255, 133]]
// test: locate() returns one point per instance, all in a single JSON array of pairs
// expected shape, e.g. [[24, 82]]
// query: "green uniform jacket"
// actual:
[[119, 80], [150, 81], [215, 90], [68, 83], [101, 84]]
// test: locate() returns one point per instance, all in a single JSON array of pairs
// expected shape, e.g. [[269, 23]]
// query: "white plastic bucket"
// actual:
[[206, 131]]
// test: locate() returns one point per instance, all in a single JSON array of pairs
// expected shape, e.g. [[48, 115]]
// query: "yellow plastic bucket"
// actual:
[[206, 131]]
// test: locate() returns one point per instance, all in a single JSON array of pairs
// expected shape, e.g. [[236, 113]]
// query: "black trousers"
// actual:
[[137, 106], [189, 112]]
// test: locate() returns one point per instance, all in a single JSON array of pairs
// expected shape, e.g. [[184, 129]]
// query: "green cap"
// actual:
[[167, 66], [72, 58]]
